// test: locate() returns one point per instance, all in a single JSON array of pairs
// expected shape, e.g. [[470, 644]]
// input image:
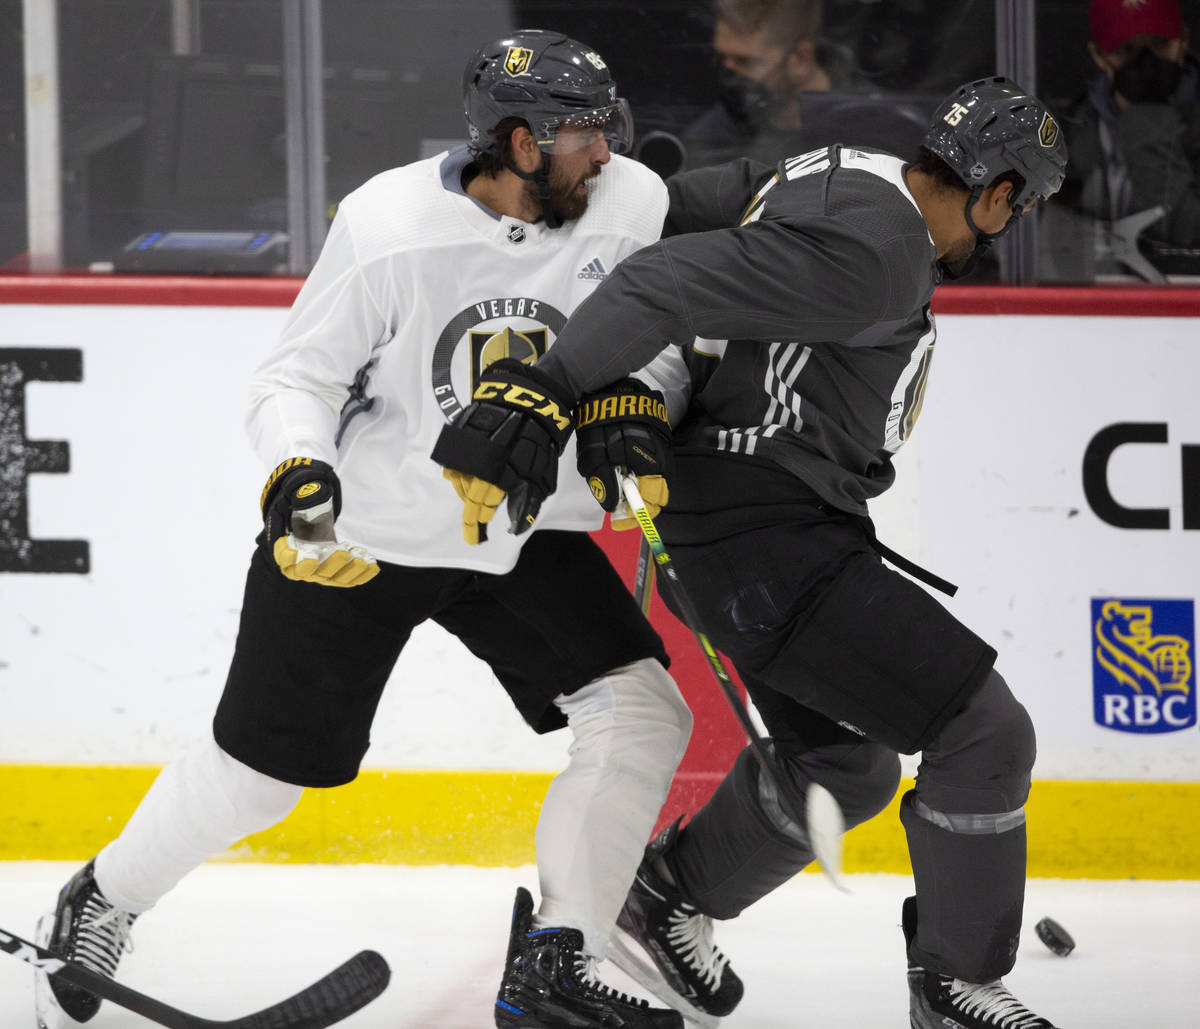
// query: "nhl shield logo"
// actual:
[[516, 61], [1048, 131]]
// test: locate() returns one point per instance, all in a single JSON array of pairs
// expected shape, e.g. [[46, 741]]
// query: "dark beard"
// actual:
[[564, 201]]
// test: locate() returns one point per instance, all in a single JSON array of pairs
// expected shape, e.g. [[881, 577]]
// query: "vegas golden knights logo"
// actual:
[[516, 61], [513, 326], [1048, 131], [486, 347]]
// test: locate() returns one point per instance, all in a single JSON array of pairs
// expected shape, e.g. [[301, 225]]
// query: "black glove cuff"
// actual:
[[297, 484], [626, 401]]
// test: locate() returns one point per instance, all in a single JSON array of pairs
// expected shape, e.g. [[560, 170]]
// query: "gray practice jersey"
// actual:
[[801, 299]]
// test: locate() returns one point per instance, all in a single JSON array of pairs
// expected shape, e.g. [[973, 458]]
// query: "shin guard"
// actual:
[[970, 879]]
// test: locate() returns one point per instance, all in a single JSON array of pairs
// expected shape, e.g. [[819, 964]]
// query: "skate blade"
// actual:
[[45, 1007], [628, 957]]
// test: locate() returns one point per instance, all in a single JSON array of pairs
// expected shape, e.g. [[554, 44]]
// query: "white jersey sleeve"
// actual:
[[297, 394]]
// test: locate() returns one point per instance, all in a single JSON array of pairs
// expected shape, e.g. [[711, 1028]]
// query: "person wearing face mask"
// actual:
[[782, 90], [1135, 132]]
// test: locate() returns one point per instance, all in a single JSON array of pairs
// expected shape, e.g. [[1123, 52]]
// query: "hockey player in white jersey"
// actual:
[[430, 274]]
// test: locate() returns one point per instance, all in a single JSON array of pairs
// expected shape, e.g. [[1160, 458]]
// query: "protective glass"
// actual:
[[613, 123]]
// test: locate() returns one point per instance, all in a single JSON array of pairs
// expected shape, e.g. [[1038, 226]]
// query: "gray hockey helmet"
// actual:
[[991, 126], [548, 80]]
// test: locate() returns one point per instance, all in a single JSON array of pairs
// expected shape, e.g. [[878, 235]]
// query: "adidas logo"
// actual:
[[593, 270]]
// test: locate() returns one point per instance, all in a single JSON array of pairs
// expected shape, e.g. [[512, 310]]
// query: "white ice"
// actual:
[[233, 938]]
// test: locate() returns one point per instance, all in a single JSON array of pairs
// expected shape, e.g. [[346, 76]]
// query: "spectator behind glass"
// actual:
[[1135, 132], [783, 92]]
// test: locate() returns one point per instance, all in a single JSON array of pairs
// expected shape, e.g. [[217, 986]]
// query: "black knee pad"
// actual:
[[862, 776], [982, 759], [750, 837]]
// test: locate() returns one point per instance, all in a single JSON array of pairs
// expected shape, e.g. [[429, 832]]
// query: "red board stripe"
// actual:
[[182, 290]]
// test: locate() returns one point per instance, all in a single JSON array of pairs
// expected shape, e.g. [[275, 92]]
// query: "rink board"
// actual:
[[1052, 417]]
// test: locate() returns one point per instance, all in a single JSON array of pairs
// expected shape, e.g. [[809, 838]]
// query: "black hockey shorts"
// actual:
[[311, 662], [808, 609]]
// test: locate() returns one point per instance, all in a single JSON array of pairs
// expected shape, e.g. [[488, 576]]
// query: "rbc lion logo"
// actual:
[[1142, 670]]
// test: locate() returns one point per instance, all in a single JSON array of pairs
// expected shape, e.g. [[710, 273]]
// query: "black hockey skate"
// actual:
[[939, 1001], [87, 929], [685, 967], [549, 983]]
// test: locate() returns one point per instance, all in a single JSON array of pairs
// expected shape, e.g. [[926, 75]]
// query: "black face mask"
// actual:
[[747, 101], [1147, 78]]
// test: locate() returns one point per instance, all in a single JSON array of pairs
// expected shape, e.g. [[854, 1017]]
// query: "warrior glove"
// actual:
[[300, 501], [506, 442], [625, 427]]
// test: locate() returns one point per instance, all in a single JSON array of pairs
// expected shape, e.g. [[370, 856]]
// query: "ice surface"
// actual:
[[233, 938]]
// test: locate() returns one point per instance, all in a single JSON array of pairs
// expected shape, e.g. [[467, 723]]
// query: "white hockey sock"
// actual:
[[630, 730], [198, 806]]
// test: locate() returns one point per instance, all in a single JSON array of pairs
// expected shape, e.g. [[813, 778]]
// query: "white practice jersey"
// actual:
[[417, 289]]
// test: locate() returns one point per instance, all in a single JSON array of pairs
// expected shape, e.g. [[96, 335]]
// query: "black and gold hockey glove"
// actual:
[[625, 426], [299, 503], [506, 442]]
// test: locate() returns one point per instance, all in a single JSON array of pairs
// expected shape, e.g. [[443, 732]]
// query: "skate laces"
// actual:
[[102, 934], [993, 1003], [690, 934], [585, 972]]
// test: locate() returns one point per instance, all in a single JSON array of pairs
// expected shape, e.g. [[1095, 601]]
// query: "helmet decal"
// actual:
[[1048, 131], [516, 60], [955, 114]]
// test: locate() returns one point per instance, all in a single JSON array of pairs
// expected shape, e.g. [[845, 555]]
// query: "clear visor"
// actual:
[[613, 124]]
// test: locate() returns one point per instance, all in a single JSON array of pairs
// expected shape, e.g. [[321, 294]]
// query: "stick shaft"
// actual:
[[823, 823]]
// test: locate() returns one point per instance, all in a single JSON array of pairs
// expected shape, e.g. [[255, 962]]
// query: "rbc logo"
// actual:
[[1142, 672]]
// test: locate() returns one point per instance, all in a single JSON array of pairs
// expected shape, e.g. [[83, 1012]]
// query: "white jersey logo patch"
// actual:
[[512, 326]]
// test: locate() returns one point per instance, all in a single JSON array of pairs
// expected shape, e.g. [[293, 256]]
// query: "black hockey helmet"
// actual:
[[991, 126], [548, 80]]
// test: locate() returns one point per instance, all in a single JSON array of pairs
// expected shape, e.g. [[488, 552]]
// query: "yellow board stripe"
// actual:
[[1088, 830]]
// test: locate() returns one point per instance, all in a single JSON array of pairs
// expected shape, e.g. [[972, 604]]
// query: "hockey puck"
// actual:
[[1055, 937]]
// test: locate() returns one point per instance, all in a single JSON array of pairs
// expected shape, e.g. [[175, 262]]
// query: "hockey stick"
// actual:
[[330, 999], [643, 581], [822, 816]]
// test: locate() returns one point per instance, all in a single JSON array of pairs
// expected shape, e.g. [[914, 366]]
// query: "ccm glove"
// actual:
[[625, 427], [299, 503], [506, 442]]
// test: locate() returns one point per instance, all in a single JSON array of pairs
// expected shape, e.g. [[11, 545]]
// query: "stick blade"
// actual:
[[338, 995], [825, 825]]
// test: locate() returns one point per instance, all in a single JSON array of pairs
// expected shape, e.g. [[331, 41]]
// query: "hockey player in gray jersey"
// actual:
[[799, 299], [429, 274]]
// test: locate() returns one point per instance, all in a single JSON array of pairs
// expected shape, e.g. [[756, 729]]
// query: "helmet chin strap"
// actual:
[[541, 179], [983, 240]]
